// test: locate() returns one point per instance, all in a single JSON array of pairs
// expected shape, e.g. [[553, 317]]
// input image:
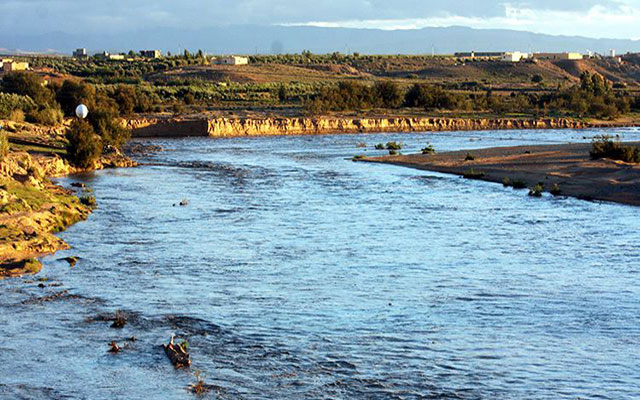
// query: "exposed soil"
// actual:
[[568, 166]]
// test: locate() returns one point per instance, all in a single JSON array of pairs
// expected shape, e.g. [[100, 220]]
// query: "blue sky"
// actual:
[[591, 18]]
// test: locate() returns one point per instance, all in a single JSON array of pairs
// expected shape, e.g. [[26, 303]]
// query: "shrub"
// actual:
[[380, 146], [89, 201], [4, 146], [606, 148], [17, 115], [47, 116], [10, 103], [28, 84], [537, 78], [473, 174], [519, 184], [506, 182], [555, 190], [84, 146], [469, 157], [394, 146], [429, 149], [73, 93], [537, 190]]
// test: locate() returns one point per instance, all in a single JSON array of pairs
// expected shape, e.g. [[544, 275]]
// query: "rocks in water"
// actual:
[[78, 185], [178, 354], [114, 347], [184, 203], [71, 260], [119, 321]]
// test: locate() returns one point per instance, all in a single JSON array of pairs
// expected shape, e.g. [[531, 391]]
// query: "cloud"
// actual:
[[598, 21], [586, 17]]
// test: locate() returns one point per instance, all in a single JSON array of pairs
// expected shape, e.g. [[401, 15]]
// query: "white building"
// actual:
[[514, 57], [558, 56], [231, 60]]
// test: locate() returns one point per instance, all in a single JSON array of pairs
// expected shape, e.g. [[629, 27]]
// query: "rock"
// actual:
[[71, 260], [78, 185], [184, 203], [114, 347]]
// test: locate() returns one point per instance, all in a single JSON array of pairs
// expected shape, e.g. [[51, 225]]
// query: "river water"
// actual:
[[296, 273]]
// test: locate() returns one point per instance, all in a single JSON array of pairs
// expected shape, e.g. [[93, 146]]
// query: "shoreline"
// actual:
[[568, 167], [223, 127], [33, 209]]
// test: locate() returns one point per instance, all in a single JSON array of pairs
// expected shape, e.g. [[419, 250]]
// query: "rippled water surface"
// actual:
[[296, 273]]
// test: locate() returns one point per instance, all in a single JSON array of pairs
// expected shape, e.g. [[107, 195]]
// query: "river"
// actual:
[[296, 273]]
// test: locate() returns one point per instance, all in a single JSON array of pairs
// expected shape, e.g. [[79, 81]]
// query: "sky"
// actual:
[[590, 18]]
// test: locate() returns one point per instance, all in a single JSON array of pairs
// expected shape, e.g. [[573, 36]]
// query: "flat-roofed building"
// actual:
[[9, 65], [480, 54], [558, 56], [151, 53], [514, 57], [231, 60], [80, 53]]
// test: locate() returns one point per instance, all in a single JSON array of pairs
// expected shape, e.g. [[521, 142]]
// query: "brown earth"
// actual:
[[162, 126], [32, 208], [568, 166]]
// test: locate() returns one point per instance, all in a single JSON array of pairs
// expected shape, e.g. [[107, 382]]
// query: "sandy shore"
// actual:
[[568, 166]]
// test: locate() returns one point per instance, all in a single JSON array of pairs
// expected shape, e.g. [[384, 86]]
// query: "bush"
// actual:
[[607, 148], [380, 146], [89, 201], [4, 145], [28, 84], [394, 146], [429, 149], [46, 116], [469, 157], [473, 174], [16, 115], [555, 190], [84, 146], [519, 184], [537, 190], [9, 103]]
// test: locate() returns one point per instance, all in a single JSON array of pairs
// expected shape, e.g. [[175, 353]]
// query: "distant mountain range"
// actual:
[[250, 39]]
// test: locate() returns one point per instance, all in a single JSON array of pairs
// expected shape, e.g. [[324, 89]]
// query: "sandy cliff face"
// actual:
[[233, 127]]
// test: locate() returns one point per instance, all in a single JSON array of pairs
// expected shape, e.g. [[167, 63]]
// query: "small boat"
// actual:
[[177, 354]]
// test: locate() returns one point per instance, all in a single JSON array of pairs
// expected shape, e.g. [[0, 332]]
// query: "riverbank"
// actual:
[[33, 209], [165, 126], [565, 169]]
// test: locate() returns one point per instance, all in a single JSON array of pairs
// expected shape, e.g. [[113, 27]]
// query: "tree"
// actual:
[[84, 146], [72, 93], [187, 55], [28, 84], [389, 94]]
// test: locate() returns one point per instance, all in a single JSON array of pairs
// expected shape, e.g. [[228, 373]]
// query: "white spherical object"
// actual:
[[82, 111]]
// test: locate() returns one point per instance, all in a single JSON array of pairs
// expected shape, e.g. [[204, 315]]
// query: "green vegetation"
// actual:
[[605, 147], [393, 146], [536, 191], [429, 149], [506, 182], [89, 201], [473, 174], [11, 102], [4, 145], [84, 147], [469, 157], [519, 184], [555, 190]]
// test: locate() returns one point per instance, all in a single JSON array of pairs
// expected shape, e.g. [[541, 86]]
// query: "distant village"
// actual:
[[8, 65]]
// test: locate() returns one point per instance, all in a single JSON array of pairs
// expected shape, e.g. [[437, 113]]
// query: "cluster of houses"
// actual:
[[81, 54], [155, 54], [8, 65], [516, 56]]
